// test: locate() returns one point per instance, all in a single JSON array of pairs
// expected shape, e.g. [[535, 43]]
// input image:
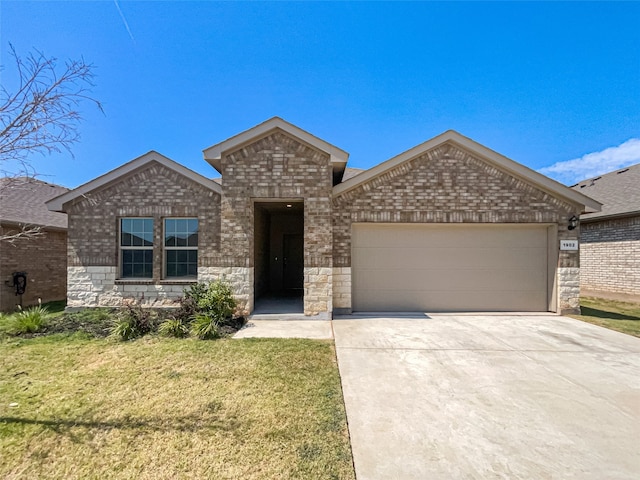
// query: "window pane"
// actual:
[[138, 269], [137, 263], [181, 270], [182, 263], [169, 233], [136, 232], [171, 270], [137, 225], [178, 232], [193, 240], [181, 240]]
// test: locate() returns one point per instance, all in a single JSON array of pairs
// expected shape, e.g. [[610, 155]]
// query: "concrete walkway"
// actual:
[[490, 397], [316, 329]]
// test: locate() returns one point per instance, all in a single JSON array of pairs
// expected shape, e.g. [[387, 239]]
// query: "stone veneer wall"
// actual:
[[43, 258], [241, 280], [151, 191], [610, 257], [448, 185], [278, 167]]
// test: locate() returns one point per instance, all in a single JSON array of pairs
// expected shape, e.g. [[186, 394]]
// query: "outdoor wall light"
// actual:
[[573, 222]]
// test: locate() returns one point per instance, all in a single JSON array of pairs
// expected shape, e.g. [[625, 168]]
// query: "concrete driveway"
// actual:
[[490, 396]]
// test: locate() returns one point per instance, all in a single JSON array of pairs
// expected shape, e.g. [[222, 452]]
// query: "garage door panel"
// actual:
[[465, 301], [442, 279], [458, 236], [429, 257], [403, 267]]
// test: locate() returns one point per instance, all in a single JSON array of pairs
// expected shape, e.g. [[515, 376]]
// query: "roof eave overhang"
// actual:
[[518, 170], [214, 154], [57, 204], [13, 223], [612, 216]]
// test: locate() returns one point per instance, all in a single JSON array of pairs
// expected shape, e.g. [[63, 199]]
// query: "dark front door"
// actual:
[[292, 252]]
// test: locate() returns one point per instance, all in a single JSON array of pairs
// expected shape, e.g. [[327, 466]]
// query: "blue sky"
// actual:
[[542, 83]]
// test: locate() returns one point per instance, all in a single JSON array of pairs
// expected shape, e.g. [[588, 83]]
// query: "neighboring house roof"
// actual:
[[57, 204], [499, 161], [23, 202], [338, 157], [618, 191]]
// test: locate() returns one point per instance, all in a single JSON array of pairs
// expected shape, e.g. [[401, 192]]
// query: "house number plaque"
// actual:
[[568, 244]]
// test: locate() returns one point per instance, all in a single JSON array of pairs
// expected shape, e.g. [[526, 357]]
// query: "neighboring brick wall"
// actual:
[[610, 256], [278, 166], [43, 258], [448, 185], [151, 191]]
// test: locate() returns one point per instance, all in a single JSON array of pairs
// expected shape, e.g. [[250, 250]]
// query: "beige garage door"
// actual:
[[408, 267]]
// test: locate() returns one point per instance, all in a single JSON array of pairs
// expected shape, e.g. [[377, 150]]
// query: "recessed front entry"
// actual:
[[278, 256]]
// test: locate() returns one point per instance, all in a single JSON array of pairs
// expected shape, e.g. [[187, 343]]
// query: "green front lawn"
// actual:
[[620, 316], [76, 407]]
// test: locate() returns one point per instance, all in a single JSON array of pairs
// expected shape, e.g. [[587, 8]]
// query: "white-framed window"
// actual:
[[136, 247], [180, 247]]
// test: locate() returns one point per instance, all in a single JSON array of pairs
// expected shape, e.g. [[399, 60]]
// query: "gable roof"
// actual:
[[500, 161], [213, 154], [618, 191], [22, 201], [57, 204]]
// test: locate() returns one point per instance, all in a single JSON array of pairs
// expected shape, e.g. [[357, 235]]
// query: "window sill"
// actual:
[[164, 281], [134, 281], [178, 281]]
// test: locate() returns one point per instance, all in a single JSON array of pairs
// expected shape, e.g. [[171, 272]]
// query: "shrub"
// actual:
[[208, 308], [173, 327], [132, 322], [31, 320], [205, 327], [217, 301], [187, 310]]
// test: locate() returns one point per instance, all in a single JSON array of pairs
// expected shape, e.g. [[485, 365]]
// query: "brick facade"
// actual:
[[276, 162], [610, 257], [279, 167], [93, 249], [44, 260], [449, 185]]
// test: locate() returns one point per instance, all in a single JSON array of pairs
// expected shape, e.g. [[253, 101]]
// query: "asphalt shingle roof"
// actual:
[[22, 200], [618, 191]]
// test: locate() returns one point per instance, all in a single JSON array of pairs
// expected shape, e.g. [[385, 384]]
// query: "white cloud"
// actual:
[[593, 164]]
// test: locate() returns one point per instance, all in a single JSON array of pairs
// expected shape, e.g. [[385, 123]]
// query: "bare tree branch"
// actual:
[[27, 232], [42, 114]]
